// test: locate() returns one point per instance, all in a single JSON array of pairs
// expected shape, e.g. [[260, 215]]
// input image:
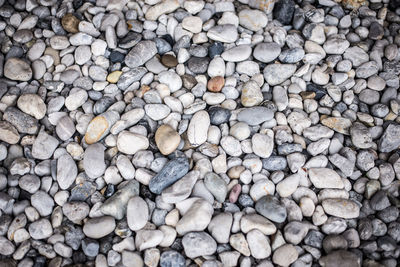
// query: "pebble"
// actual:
[[276, 74], [171, 172], [216, 185], [198, 128], [198, 244], [66, 171], [255, 115], [44, 145], [226, 33], [325, 178], [33, 105], [196, 218], [341, 208], [271, 208], [93, 161], [137, 220], [130, 143], [17, 69], [285, 255], [167, 139], [141, 53], [251, 94], [99, 227], [252, 19], [267, 52], [258, 244], [172, 258]]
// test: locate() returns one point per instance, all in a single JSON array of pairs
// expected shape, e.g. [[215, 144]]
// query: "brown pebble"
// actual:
[[215, 84], [70, 23], [307, 95], [169, 61]]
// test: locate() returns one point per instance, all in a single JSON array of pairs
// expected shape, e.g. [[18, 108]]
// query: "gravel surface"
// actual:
[[209, 133]]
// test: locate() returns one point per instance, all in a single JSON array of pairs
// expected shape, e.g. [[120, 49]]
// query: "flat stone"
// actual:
[[100, 126], [276, 74], [198, 128], [390, 140], [285, 255], [40, 229], [226, 33], [237, 53], [44, 145], [163, 7], [258, 244], [130, 143], [42, 202], [271, 208], [65, 128], [99, 227], [262, 145], [172, 258], [66, 171], [23, 122], [171, 172], [325, 178], [196, 218], [129, 77], [93, 161], [251, 94], [216, 185], [8, 133], [137, 213], [220, 227], [254, 221], [253, 20], [116, 205], [266, 52], [338, 124], [255, 115], [198, 244], [342, 208], [181, 189], [141, 53], [17, 69], [33, 105]]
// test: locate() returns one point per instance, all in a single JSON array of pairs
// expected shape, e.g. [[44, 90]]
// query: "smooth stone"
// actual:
[[167, 139], [93, 161], [181, 189], [283, 11], [66, 171], [23, 122], [390, 140], [76, 211], [341, 125], [226, 33], [276, 74], [8, 133], [231, 146], [130, 143], [172, 171], [342, 208], [216, 185], [7, 248], [285, 255], [100, 126], [258, 244], [267, 52], [17, 69], [336, 46], [215, 84], [140, 53], [254, 221], [43, 203], [32, 105], [65, 128], [239, 242], [237, 53], [196, 244], [137, 213], [70, 23], [295, 231], [129, 77], [262, 145], [220, 227], [251, 94], [255, 115], [99, 227], [44, 146], [198, 128], [116, 205], [172, 258], [340, 258], [40, 229], [196, 218], [271, 208], [219, 115], [161, 8], [253, 20], [325, 178]]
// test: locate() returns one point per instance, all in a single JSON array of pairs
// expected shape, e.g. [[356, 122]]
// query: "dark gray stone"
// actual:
[[172, 171], [271, 208]]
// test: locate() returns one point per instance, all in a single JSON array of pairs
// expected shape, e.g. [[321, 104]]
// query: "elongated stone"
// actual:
[[342, 208], [100, 126]]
